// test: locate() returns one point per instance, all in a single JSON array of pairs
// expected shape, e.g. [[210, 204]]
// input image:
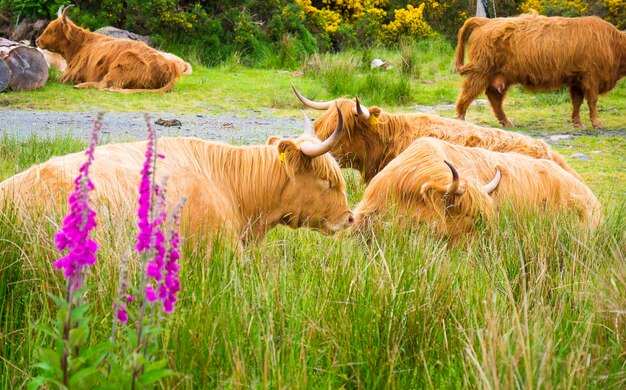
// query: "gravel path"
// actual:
[[233, 128], [130, 125]]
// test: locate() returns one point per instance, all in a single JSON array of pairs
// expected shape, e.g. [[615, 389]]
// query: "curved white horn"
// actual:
[[363, 112], [314, 150], [453, 188], [311, 103], [493, 184], [60, 12], [64, 13], [308, 127]]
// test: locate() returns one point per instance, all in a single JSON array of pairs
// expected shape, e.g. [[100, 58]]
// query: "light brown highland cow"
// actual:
[[374, 137], [424, 185], [102, 62], [588, 55]]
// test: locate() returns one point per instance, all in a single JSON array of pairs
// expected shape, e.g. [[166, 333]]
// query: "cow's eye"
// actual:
[[328, 184]]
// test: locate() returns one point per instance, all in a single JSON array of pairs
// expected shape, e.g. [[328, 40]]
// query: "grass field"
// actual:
[[533, 302]]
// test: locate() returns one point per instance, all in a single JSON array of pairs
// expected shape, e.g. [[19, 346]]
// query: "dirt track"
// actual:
[[255, 127], [131, 125]]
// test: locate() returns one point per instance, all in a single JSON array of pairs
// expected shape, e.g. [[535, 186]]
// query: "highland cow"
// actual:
[[424, 185], [373, 137], [239, 192], [587, 54], [102, 62]]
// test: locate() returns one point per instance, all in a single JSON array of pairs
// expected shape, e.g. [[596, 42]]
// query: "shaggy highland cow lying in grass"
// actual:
[[102, 62], [424, 185], [238, 191], [373, 137]]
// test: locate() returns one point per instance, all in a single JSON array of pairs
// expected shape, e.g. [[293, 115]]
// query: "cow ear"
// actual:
[[290, 155], [273, 140]]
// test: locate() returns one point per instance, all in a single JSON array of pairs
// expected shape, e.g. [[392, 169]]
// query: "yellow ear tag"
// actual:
[[373, 120], [281, 157]]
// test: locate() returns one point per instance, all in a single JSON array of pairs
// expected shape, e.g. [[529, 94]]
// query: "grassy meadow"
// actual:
[[531, 302]]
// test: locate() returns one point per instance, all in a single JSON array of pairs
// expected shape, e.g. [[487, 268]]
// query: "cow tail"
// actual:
[[469, 24]]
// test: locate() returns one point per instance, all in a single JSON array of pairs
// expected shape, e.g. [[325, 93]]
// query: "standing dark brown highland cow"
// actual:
[[102, 62], [587, 54]]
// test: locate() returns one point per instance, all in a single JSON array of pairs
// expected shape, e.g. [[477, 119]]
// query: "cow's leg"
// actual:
[[592, 101], [577, 100], [472, 87], [495, 99], [88, 84]]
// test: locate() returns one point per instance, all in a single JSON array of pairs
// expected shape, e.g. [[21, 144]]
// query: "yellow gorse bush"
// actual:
[[616, 12], [408, 22], [329, 18]]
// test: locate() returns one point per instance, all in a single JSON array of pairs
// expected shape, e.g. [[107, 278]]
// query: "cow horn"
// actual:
[[311, 103], [60, 12], [308, 127], [453, 188], [314, 150], [363, 112], [64, 13], [493, 184]]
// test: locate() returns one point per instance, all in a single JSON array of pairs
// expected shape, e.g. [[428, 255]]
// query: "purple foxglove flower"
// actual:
[[122, 316], [81, 219]]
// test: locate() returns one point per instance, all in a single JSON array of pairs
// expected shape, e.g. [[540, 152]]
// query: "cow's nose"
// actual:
[[350, 219], [37, 42]]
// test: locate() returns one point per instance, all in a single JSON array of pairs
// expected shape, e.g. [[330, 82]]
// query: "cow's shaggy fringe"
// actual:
[[587, 54], [417, 181], [370, 146], [99, 61]]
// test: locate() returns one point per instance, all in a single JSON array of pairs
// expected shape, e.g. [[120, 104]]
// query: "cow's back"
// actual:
[[545, 52], [463, 133], [526, 183], [148, 68], [116, 173]]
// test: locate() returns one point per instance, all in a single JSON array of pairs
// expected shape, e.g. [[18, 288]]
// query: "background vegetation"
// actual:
[[210, 32]]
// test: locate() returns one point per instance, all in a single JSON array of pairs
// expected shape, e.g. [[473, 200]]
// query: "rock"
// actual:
[[597, 152], [123, 34], [168, 122], [558, 137], [422, 108], [580, 156], [28, 30], [378, 63]]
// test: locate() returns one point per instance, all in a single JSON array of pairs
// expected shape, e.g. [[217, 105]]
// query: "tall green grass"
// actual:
[[535, 301], [349, 74]]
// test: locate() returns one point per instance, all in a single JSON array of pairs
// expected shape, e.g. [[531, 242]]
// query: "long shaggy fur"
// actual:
[[586, 54], [103, 62], [241, 191], [416, 182], [370, 145]]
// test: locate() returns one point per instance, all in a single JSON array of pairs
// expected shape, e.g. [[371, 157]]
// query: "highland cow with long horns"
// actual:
[[374, 137]]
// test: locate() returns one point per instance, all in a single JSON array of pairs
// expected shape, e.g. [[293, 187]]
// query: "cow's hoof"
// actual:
[[596, 123], [578, 124], [507, 123]]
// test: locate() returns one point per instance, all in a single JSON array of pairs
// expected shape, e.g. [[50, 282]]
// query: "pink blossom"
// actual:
[[81, 219], [122, 316]]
